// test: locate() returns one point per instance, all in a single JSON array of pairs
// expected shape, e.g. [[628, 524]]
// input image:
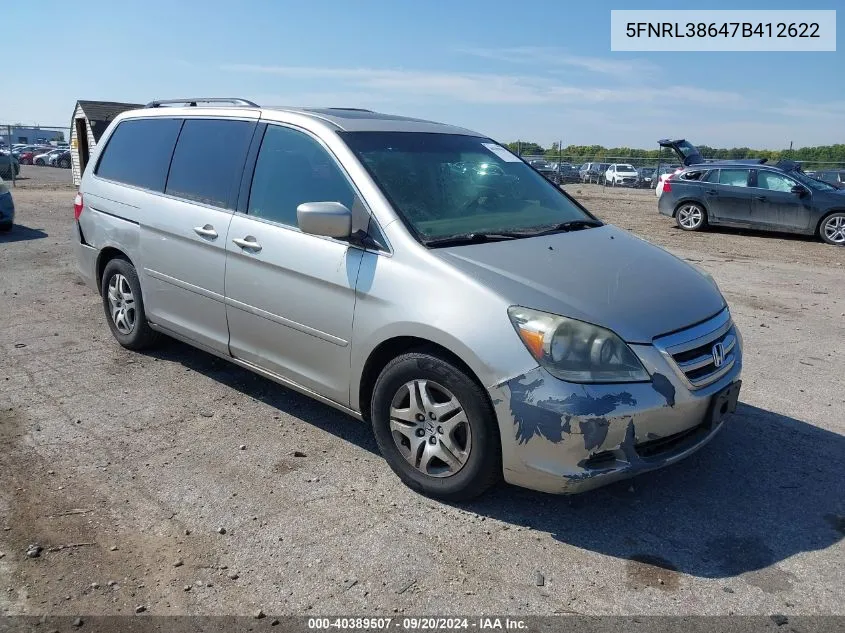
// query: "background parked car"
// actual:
[[5, 168], [544, 167], [755, 196], [28, 154], [835, 177], [662, 174], [54, 157], [44, 159], [621, 174], [592, 172], [646, 176], [7, 207], [62, 160], [566, 173]]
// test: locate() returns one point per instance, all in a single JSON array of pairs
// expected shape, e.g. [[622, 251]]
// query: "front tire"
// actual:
[[39, 162], [436, 427], [124, 306], [832, 229], [691, 216]]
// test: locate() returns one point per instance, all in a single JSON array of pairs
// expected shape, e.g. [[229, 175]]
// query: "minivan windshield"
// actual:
[[451, 187]]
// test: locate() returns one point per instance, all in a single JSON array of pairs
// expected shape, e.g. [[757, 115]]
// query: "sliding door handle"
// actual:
[[249, 243], [206, 231]]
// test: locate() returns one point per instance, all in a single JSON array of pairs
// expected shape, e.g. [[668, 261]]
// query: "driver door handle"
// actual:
[[206, 231], [249, 243], [760, 198]]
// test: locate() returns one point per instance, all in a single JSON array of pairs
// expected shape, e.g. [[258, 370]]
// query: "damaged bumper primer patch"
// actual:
[[565, 438]]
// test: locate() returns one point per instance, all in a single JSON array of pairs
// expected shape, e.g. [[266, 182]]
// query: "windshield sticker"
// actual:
[[502, 153]]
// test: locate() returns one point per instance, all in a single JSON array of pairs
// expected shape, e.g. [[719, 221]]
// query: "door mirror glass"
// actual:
[[799, 190], [331, 219]]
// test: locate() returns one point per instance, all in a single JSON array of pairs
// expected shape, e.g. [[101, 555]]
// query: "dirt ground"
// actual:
[[172, 480]]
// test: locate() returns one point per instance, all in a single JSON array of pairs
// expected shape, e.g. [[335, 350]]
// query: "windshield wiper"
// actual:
[[476, 238], [471, 238], [564, 227]]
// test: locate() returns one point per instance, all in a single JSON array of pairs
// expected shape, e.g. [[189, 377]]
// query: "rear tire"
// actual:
[[832, 229], [64, 163], [39, 162], [436, 427], [124, 306], [5, 227], [691, 216]]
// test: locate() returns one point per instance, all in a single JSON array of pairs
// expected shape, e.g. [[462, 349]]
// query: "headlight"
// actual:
[[576, 351]]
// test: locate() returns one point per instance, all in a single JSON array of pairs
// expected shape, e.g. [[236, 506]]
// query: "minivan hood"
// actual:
[[603, 275]]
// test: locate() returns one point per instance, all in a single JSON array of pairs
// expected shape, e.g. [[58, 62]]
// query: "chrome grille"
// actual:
[[691, 354]]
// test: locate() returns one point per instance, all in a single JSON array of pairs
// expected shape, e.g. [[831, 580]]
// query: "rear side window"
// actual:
[[138, 152], [209, 160], [734, 177]]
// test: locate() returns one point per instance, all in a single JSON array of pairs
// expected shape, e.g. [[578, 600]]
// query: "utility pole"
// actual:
[[11, 158], [559, 158]]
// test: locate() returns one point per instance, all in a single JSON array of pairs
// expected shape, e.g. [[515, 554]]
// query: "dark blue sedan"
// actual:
[[7, 208]]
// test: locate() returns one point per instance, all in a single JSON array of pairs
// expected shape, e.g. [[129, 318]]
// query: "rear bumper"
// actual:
[[86, 259], [566, 438], [665, 204]]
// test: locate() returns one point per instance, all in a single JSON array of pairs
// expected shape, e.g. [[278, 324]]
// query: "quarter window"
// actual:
[[292, 168], [138, 152], [733, 177], [774, 182], [209, 160]]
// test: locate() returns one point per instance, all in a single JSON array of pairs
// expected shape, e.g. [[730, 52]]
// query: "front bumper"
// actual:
[[566, 438]]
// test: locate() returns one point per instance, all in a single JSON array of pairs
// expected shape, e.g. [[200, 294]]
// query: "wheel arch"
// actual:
[[824, 217], [106, 255], [393, 347], [687, 200]]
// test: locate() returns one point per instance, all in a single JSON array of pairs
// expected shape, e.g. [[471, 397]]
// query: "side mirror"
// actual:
[[800, 190], [331, 219]]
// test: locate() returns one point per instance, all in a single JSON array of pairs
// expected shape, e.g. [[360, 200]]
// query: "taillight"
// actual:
[[667, 186], [77, 205]]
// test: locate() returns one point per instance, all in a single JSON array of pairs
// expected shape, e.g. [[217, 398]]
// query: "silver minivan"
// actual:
[[414, 275]]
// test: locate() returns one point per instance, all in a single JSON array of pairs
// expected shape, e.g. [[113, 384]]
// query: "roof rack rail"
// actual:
[[194, 102], [351, 109]]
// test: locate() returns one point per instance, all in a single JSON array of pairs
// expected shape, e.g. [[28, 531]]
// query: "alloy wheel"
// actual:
[[430, 428], [690, 216], [122, 304], [834, 229]]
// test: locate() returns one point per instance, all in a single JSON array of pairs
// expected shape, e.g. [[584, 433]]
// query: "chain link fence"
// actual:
[[22, 144], [564, 169]]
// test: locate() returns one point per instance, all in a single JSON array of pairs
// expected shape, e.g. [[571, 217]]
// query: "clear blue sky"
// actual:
[[532, 71]]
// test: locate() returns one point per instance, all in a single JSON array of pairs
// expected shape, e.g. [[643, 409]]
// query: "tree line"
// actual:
[[584, 153]]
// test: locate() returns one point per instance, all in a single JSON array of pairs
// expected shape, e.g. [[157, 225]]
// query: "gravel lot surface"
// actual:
[[177, 482]]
